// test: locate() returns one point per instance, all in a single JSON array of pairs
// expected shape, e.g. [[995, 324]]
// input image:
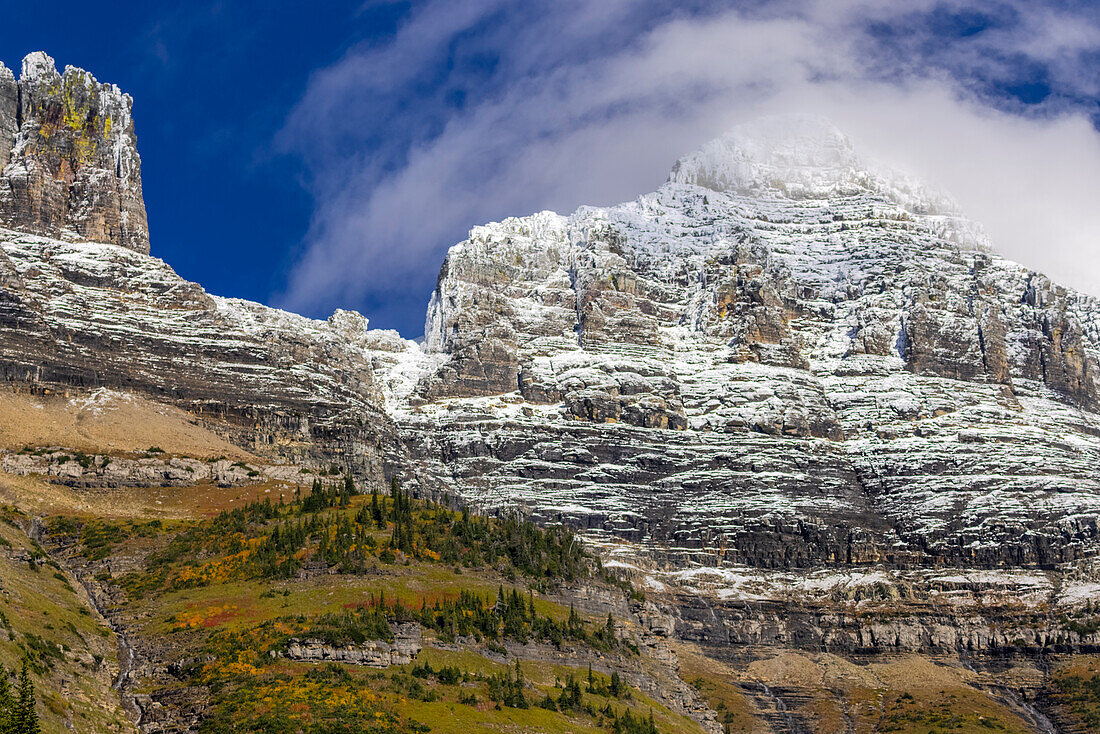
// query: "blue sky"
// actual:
[[322, 155]]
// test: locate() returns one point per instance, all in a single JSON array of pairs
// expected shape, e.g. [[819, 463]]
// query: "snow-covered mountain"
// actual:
[[785, 357], [794, 397]]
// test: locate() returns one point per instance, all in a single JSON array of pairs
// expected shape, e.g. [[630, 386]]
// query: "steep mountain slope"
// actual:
[[87, 315], [781, 357], [72, 653]]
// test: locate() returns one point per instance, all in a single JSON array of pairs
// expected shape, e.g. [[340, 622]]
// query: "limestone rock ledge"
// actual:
[[375, 654]]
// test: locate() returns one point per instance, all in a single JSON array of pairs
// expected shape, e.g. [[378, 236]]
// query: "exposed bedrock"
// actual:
[[83, 305], [75, 316], [784, 356], [68, 156], [925, 631]]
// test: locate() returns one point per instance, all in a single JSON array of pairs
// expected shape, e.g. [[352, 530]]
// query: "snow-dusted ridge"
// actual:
[[82, 315], [801, 157], [786, 355]]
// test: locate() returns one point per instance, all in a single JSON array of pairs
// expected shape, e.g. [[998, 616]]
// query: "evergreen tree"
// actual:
[[25, 720], [375, 510], [574, 625], [7, 703], [616, 685], [518, 700]]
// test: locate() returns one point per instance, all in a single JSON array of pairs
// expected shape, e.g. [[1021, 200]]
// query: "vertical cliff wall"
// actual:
[[68, 156]]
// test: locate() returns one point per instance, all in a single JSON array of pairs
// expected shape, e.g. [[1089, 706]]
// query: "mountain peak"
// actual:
[[802, 156], [38, 65], [68, 156]]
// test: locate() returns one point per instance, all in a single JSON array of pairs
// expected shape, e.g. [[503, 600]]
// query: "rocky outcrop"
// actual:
[[68, 156], [902, 628], [375, 654], [101, 470], [83, 307]]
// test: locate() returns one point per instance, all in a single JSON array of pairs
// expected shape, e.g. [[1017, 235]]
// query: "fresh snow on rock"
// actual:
[[786, 356]]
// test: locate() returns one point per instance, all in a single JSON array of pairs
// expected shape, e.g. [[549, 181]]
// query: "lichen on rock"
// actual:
[[68, 156]]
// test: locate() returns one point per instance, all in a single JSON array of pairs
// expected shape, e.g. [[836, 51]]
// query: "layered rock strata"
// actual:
[[78, 316], [375, 654], [83, 306], [784, 357]]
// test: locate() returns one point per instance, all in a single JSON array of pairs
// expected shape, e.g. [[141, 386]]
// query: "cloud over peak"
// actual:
[[476, 111]]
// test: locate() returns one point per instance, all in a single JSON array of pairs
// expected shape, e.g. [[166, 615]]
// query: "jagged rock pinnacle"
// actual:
[[68, 156]]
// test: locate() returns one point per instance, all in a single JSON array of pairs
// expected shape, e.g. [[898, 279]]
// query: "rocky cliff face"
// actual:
[[784, 357], [75, 316], [68, 156], [796, 396], [376, 654]]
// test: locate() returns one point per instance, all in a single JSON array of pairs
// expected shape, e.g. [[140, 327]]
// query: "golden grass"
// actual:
[[718, 684], [36, 496], [115, 423], [910, 694]]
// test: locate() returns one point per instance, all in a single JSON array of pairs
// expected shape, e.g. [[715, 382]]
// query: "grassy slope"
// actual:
[[909, 694], [74, 654], [106, 422], [188, 617], [1076, 683]]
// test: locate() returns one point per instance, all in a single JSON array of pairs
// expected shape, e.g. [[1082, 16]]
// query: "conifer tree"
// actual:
[[25, 720], [7, 702], [518, 701], [375, 510], [616, 685], [574, 625]]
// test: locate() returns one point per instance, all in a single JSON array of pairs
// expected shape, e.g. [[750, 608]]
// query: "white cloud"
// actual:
[[591, 103]]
